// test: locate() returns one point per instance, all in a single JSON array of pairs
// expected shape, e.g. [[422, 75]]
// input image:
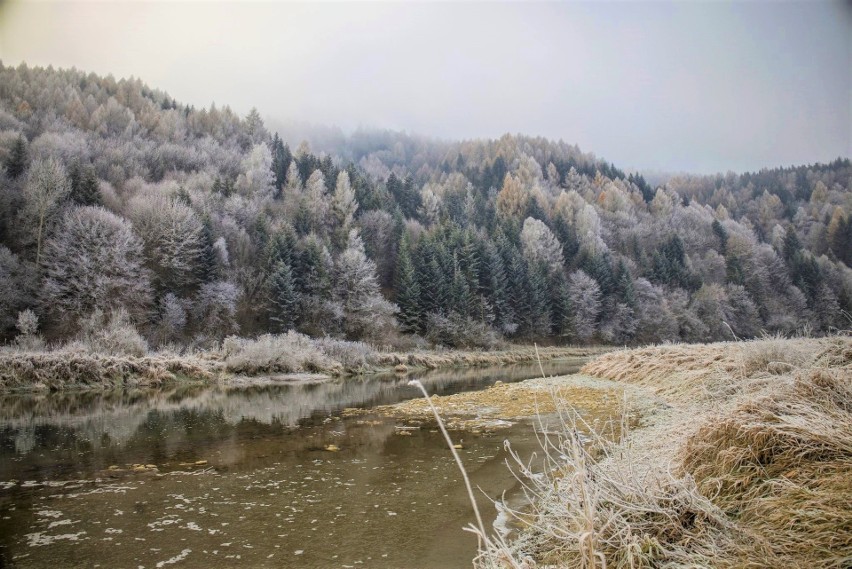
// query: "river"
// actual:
[[213, 476]]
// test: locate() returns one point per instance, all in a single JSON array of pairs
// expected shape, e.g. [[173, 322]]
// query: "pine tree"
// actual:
[[283, 298], [281, 159], [460, 296], [16, 163], [539, 300], [722, 235], [407, 290], [494, 286], [207, 263], [624, 290], [561, 315]]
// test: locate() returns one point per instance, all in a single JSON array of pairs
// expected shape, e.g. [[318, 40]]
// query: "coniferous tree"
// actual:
[[84, 184], [407, 290], [561, 314], [539, 300], [624, 291], [283, 298], [207, 270], [16, 163], [722, 235]]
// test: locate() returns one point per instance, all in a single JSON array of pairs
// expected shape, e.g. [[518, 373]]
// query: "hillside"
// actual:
[[118, 202]]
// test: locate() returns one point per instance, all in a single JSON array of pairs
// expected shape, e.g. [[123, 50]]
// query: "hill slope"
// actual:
[[200, 223]]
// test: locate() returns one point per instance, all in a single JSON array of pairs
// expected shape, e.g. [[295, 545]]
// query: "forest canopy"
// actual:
[[196, 224]]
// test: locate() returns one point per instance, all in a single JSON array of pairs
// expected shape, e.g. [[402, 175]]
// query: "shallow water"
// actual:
[[265, 492]]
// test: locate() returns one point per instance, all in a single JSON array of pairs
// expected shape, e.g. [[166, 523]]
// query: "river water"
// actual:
[[201, 476]]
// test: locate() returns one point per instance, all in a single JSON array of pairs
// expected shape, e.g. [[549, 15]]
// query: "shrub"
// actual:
[[115, 335], [270, 353], [458, 331]]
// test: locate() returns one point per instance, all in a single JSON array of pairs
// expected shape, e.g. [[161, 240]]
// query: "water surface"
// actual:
[[242, 476]]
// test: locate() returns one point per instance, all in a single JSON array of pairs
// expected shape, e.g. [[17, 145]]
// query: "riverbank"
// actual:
[[745, 461], [287, 357]]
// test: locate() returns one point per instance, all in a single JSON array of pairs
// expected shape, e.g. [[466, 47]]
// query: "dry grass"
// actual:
[[519, 354], [781, 464], [598, 504], [282, 353], [68, 369], [104, 360], [748, 465]]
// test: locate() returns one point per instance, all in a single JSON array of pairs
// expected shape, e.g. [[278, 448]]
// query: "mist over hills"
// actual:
[[116, 201]]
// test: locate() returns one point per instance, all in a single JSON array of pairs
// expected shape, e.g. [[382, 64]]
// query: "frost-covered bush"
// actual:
[[351, 355], [27, 325], [458, 331], [287, 353], [114, 334]]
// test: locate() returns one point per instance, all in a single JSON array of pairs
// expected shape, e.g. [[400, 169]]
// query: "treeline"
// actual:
[[192, 224]]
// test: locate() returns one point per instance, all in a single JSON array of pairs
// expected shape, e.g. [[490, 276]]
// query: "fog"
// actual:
[[698, 87]]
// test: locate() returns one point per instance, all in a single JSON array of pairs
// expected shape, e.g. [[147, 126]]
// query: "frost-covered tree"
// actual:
[[94, 261], [343, 207], [540, 244], [365, 311], [283, 299], [215, 310], [585, 295], [172, 318], [47, 185], [15, 288], [173, 238], [257, 178], [316, 202], [18, 159]]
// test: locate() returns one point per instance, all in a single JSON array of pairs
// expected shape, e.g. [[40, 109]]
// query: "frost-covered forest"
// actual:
[[118, 202]]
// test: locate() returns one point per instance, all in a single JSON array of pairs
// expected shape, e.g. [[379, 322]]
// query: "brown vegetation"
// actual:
[[495, 407], [60, 369], [519, 354], [80, 365], [746, 463]]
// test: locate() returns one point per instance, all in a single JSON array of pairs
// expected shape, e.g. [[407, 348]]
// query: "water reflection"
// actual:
[[266, 490], [37, 422]]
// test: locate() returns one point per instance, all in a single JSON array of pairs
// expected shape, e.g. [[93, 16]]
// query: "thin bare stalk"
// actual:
[[539, 361], [483, 535]]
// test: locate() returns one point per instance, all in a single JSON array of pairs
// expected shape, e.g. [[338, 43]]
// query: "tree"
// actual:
[[512, 201], [215, 310], [174, 241], [283, 298], [316, 202], [343, 207], [93, 262], [172, 318], [84, 185], [282, 159], [540, 244], [257, 178], [15, 288], [407, 290], [46, 187], [365, 312], [16, 163], [585, 296]]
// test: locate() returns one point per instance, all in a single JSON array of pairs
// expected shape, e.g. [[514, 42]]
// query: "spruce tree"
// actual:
[[624, 290], [283, 298], [16, 163], [561, 315], [207, 264], [407, 290], [539, 300]]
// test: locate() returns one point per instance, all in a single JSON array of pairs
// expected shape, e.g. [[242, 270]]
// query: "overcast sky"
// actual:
[[684, 86]]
